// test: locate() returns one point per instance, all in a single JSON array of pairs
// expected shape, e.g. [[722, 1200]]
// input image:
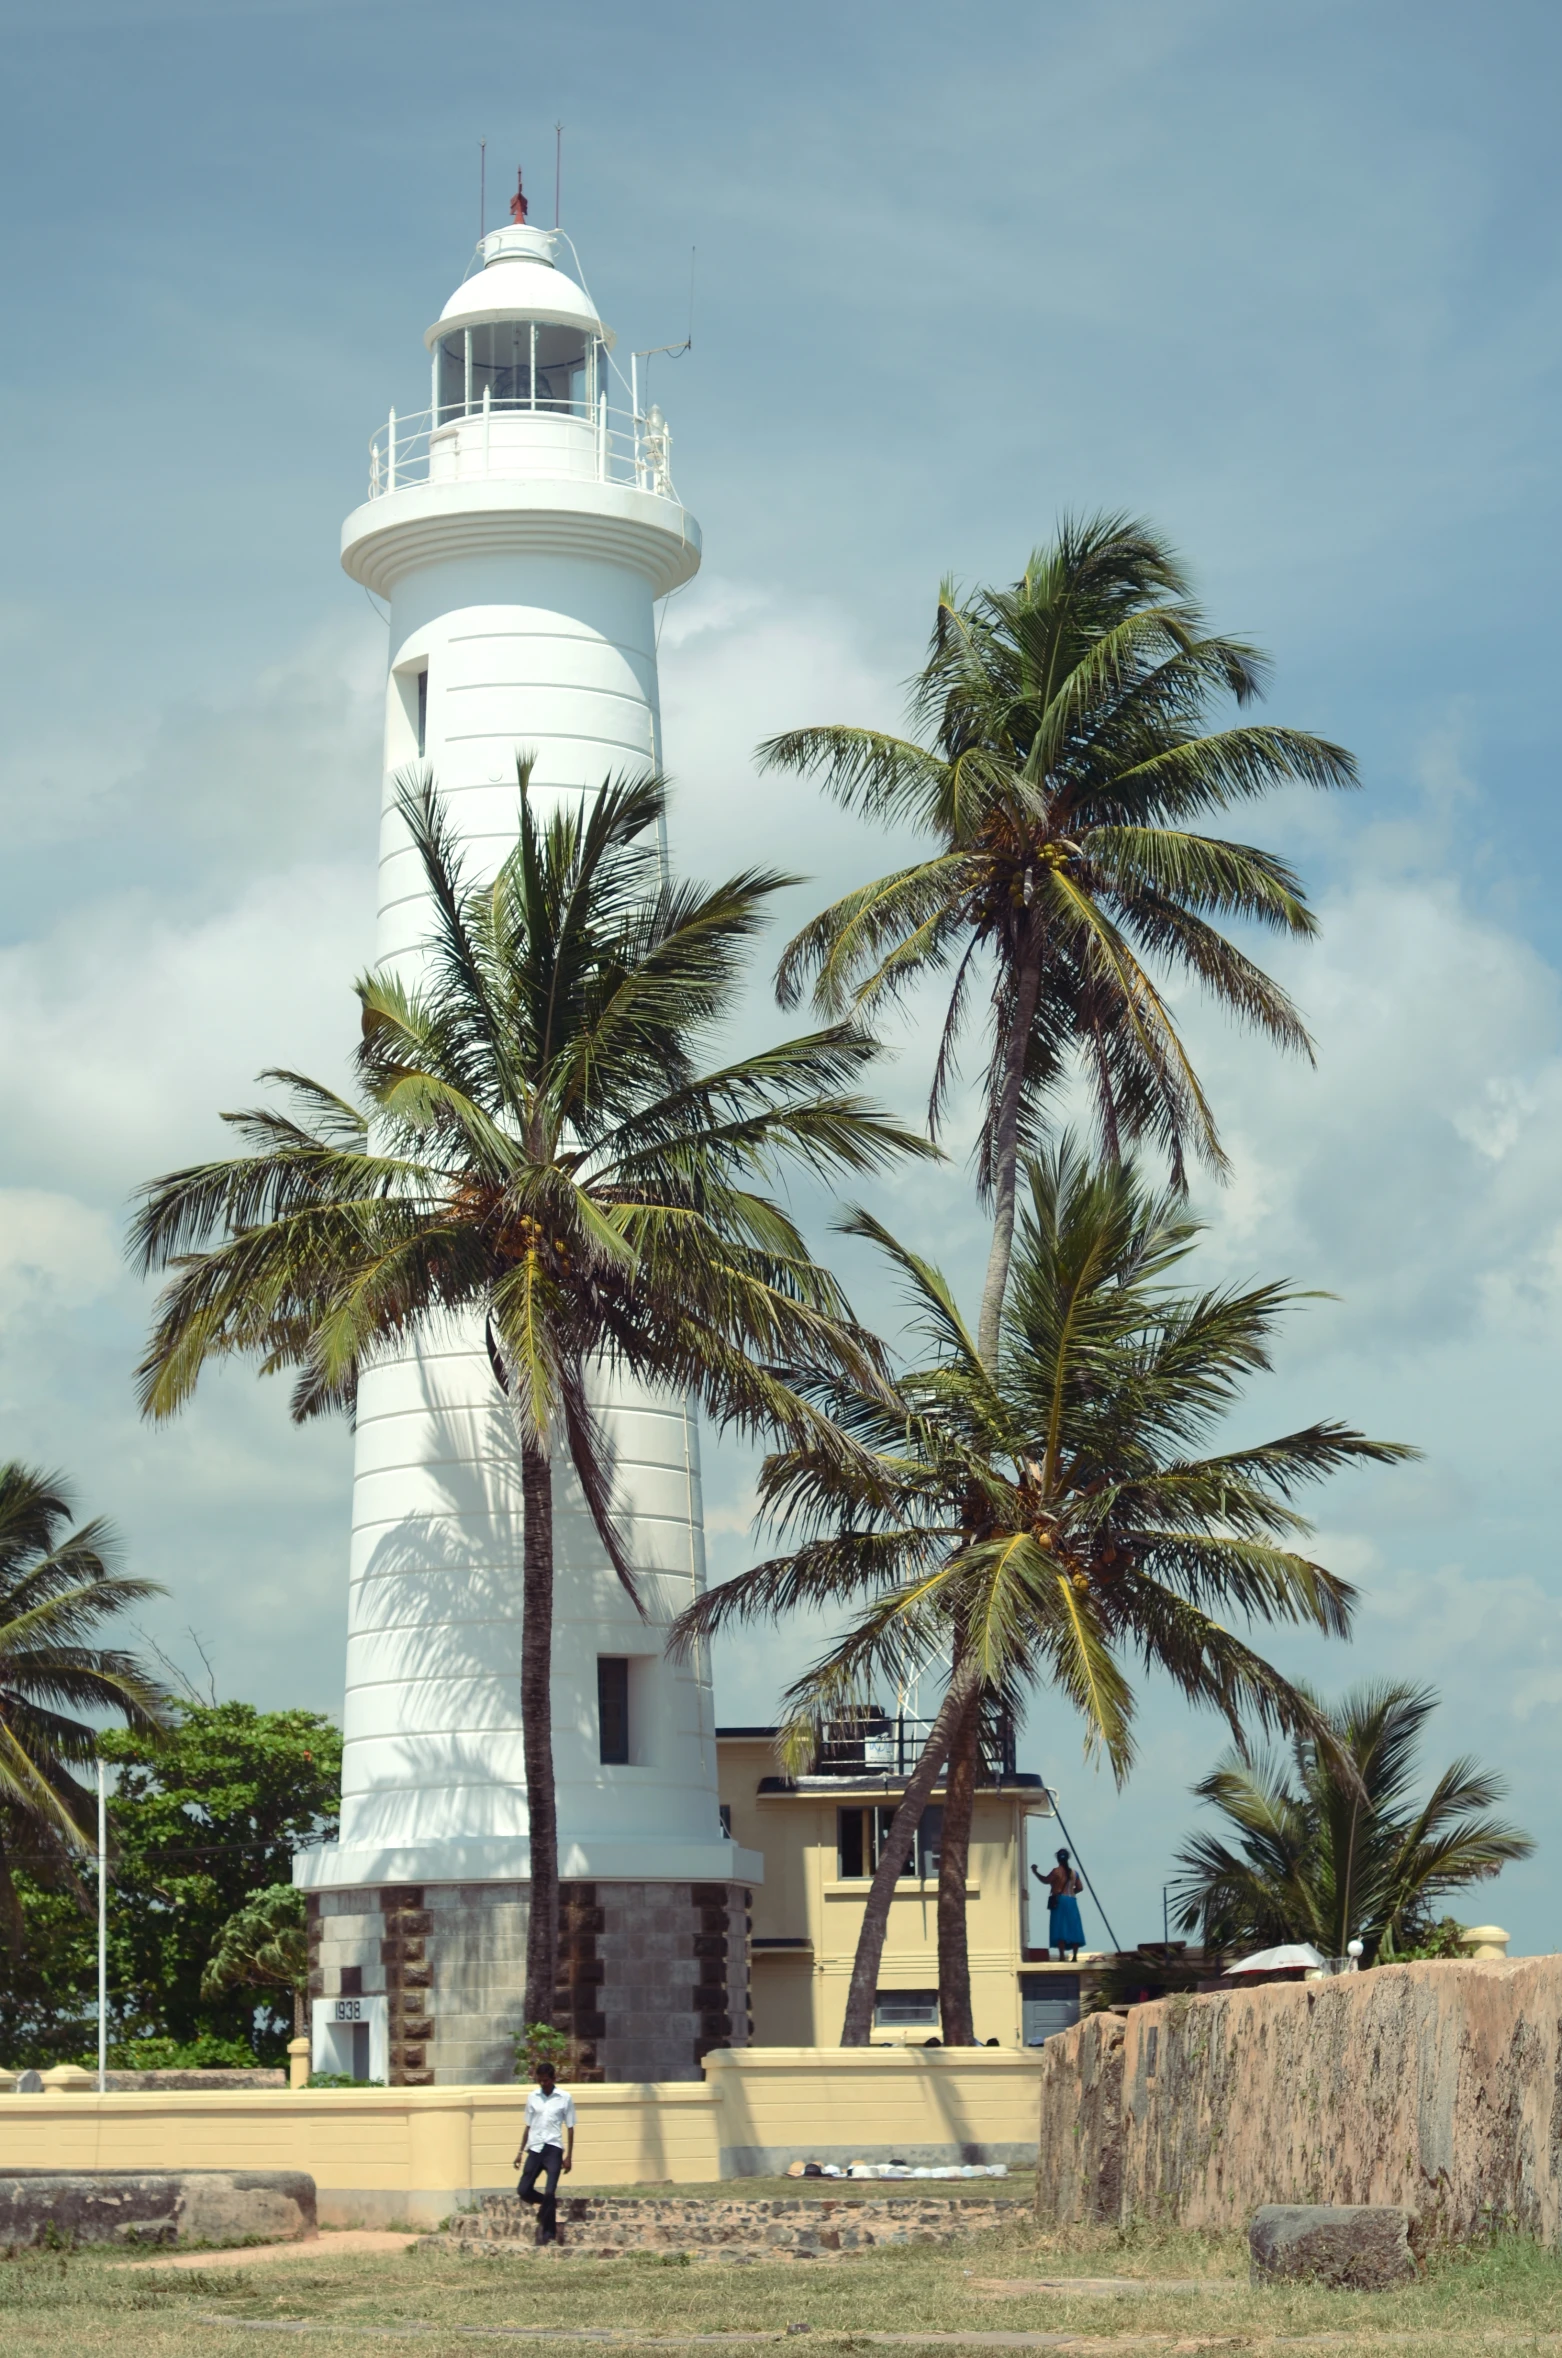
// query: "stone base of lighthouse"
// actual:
[[651, 1975]]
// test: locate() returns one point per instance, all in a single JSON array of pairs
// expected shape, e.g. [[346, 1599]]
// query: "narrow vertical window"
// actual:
[[850, 1845], [613, 1708], [422, 712]]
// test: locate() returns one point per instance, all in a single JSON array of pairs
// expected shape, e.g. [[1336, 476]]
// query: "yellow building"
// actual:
[[820, 1835]]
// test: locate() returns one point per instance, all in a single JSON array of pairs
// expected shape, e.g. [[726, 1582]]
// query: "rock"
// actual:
[[71, 2207], [1365, 2246]]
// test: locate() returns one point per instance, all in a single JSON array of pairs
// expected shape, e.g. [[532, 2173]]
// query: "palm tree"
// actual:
[[1042, 1518], [264, 1945], [57, 1588], [1327, 1858], [1060, 760], [537, 1148]]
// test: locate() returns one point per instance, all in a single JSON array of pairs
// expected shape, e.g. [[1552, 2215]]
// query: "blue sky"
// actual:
[[1284, 279]]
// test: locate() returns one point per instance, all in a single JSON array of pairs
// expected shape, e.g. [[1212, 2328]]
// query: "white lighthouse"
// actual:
[[521, 530]]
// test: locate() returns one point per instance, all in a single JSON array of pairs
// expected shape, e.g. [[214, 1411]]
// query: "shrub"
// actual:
[[537, 2044]]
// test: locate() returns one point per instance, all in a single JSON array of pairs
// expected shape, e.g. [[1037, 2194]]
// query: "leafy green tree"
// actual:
[[196, 1824], [1312, 1853], [57, 1589], [1061, 762], [48, 1982], [548, 1158], [1045, 1519], [199, 1825], [264, 1945]]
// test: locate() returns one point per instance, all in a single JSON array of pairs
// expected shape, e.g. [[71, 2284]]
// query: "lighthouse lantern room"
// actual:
[[520, 530]]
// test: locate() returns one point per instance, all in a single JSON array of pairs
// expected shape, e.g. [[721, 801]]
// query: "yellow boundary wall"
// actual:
[[381, 2155]]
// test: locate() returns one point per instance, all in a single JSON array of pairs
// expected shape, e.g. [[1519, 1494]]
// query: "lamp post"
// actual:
[[102, 1926]]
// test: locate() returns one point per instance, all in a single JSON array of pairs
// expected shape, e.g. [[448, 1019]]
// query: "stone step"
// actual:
[[729, 2227]]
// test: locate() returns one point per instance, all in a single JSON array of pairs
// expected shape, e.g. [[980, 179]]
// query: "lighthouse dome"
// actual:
[[519, 280]]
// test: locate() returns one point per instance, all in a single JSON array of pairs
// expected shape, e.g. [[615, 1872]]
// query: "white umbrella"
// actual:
[[1291, 1956]]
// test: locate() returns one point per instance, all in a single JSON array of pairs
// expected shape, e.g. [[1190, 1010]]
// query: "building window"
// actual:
[[905, 2010], [422, 712], [726, 1819], [860, 1838], [862, 1833], [613, 1708], [1049, 2003]]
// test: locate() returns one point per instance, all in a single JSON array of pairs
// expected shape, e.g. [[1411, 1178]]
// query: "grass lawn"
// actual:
[[1506, 2297]]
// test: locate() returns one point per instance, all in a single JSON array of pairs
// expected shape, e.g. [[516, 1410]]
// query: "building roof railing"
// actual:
[[879, 1748]]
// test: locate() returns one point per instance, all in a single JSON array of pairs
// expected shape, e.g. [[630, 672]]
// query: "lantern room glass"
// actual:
[[517, 364]]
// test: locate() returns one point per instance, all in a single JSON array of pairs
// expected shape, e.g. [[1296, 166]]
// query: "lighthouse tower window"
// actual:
[[422, 712], [613, 1709]]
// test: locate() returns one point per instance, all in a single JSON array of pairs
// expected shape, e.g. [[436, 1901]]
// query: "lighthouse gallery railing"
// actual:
[[513, 441]]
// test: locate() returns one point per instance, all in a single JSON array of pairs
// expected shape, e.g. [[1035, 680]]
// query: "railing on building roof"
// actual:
[[870, 1742], [522, 441]]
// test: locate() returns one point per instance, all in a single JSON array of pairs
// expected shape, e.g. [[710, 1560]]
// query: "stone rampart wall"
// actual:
[[1434, 2086]]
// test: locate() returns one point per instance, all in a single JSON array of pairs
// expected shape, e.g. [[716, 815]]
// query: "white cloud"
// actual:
[[130, 1021], [53, 1250]]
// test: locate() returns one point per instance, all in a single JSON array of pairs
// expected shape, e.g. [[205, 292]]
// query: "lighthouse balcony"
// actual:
[[516, 441]]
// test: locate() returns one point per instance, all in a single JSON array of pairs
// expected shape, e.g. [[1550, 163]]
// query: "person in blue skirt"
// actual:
[[1065, 1933]]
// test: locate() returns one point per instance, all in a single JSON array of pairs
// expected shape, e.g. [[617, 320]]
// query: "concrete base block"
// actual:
[[69, 2207], [652, 1976], [1365, 2246], [729, 2228]]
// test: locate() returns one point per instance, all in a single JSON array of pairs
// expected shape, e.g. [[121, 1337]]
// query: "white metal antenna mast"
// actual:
[[672, 351]]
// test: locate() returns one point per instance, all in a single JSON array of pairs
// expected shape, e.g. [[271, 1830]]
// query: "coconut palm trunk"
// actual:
[[542, 1929], [1006, 1149], [863, 1988], [954, 1957]]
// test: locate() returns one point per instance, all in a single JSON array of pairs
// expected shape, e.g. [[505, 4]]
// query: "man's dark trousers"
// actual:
[[549, 2162]]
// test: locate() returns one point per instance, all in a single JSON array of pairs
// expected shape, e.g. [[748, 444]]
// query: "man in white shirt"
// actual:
[[549, 2147]]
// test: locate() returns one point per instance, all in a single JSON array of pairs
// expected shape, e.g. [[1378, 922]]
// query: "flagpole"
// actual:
[[102, 1929]]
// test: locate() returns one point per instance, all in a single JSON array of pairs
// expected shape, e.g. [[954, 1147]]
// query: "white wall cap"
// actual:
[[337, 1866], [518, 287]]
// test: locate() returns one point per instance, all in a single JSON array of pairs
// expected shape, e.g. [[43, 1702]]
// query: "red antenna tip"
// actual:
[[518, 202]]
